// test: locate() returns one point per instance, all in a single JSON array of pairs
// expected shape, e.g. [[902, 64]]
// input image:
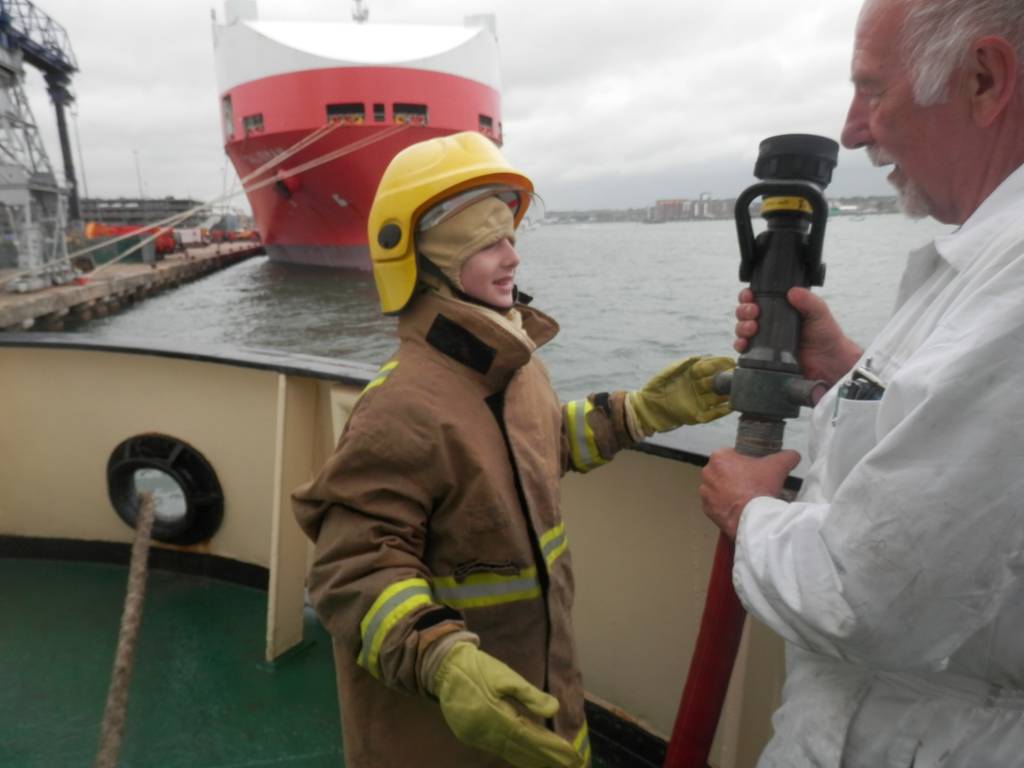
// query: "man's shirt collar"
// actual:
[[1000, 210]]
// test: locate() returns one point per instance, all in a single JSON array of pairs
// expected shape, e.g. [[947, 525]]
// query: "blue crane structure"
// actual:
[[44, 44]]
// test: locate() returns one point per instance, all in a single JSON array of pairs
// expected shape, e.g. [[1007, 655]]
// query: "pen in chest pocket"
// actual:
[[862, 385]]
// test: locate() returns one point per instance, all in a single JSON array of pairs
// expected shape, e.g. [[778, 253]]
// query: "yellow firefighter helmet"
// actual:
[[437, 177]]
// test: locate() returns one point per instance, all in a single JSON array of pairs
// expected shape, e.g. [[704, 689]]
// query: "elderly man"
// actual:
[[897, 577]]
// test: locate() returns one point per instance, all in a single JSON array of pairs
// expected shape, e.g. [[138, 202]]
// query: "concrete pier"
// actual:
[[108, 290]]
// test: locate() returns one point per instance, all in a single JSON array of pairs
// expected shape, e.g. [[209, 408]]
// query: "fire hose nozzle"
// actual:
[[765, 389], [780, 392]]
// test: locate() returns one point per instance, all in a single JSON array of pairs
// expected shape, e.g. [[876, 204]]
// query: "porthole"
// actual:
[[189, 501], [171, 507]]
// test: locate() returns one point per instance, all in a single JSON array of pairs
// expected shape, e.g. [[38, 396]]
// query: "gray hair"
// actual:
[[937, 35]]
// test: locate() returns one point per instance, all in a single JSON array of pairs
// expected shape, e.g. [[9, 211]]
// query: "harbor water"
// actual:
[[630, 298]]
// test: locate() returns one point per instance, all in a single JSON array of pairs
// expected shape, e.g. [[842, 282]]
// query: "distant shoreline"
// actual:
[[665, 211]]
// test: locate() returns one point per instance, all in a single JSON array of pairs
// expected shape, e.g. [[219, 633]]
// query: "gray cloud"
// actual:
[[603, 106]]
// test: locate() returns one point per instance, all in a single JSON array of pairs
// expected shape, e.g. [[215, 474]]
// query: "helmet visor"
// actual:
[[452, 205]]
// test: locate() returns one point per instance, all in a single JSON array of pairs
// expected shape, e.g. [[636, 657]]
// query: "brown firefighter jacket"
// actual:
[[439, 512]]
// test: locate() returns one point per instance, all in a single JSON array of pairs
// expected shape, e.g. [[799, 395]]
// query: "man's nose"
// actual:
[[856, 132]]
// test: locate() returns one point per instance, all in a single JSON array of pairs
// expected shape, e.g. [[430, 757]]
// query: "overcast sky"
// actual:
[[606, 104]]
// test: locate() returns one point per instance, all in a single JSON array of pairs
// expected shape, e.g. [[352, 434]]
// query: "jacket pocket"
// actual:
[[468, 568], [481, 584], [485, 519]]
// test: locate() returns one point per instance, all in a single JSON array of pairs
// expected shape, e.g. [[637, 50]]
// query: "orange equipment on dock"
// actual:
[[164, 243]]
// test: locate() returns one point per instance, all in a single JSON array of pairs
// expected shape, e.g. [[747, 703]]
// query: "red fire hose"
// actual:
[[718, 642]]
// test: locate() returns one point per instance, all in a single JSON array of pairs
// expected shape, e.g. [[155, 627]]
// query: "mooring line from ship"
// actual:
[[162, 226], [142, 243], [165, 224], [330, 156], [309, 165], [347, 149], [105, 243], [169, 222], [298, 146], [112, 727]]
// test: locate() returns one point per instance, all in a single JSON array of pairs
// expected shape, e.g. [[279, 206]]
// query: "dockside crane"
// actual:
[[34, 208]]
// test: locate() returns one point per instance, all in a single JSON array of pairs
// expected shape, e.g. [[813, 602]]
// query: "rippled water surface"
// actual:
[[630, 298]]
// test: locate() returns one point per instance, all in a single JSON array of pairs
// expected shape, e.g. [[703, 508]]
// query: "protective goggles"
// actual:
[[451, 206]]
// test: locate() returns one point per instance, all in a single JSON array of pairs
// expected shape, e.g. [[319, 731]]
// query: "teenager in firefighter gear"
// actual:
[[442, 568]]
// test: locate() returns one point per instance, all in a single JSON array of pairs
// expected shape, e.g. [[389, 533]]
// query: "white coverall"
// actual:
[[897, 577]]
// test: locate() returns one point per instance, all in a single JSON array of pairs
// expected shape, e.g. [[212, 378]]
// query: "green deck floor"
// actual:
[[201, 695]]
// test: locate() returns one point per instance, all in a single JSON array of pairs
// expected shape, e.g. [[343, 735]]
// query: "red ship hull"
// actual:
[[317, 214]]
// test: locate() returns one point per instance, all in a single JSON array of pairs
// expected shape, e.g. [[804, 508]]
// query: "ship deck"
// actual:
[[201, 695]]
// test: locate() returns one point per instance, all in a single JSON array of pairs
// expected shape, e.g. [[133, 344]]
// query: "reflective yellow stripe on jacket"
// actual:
[[392, 604], [477, 590], [381, 376], [582, 744], [582, 445], [553, 543], [482, 589]]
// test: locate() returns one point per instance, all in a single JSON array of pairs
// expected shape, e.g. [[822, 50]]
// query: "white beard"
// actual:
[[912, 200]]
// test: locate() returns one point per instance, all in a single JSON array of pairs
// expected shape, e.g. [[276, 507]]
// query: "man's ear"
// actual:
[[992, 78]]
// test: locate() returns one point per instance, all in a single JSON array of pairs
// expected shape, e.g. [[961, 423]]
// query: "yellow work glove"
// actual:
[[474, 688], [681, 394]]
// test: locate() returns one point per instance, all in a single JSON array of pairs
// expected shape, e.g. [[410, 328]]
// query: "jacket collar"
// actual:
[[473, 338]]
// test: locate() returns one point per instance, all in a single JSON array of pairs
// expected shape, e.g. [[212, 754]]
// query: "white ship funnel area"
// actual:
[[240, 10], [485, 20], [253, 50]]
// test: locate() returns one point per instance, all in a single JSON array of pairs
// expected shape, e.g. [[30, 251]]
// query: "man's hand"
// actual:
[[825, 351], [730, 480]]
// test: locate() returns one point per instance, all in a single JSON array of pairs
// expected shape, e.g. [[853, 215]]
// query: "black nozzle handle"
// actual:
[[779, 188]]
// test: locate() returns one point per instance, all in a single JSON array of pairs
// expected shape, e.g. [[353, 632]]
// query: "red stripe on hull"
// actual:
[[309, 215]]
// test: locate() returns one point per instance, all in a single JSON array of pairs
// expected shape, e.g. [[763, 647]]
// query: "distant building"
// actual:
[[672, 210], [837, 207], [138, 211]]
